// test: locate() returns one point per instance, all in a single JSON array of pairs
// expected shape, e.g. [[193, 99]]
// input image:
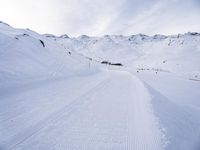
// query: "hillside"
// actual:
[[134, 92]]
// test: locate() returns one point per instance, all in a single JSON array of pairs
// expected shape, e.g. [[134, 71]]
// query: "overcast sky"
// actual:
[[100, 17]]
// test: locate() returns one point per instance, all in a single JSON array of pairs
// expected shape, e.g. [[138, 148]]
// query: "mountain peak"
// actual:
[[64, 36]]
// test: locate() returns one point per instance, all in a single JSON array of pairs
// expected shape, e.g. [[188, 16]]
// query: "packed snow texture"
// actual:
[[64, 93]]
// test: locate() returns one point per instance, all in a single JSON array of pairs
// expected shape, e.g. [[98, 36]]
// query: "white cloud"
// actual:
[[99, 17]]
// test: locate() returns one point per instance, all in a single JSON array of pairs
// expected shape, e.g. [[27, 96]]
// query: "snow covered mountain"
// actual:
[[113, 92], [177, 53]]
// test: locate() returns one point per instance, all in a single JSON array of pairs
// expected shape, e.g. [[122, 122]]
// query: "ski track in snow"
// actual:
[[116, 114]]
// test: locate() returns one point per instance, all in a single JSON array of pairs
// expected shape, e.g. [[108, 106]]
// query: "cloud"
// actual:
[[90, 17], [164, 17], [100, 17]]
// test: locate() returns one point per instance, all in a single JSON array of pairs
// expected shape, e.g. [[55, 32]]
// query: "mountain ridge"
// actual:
[[175, 53]]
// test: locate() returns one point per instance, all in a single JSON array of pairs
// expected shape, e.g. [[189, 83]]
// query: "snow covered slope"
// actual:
[[25, 54], [178, 53], [114, 92]]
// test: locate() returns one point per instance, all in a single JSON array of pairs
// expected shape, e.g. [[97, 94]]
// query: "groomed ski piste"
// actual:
[[56, 94]]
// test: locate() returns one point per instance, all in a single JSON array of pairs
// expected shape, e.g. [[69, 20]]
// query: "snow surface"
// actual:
[[55, 93]]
